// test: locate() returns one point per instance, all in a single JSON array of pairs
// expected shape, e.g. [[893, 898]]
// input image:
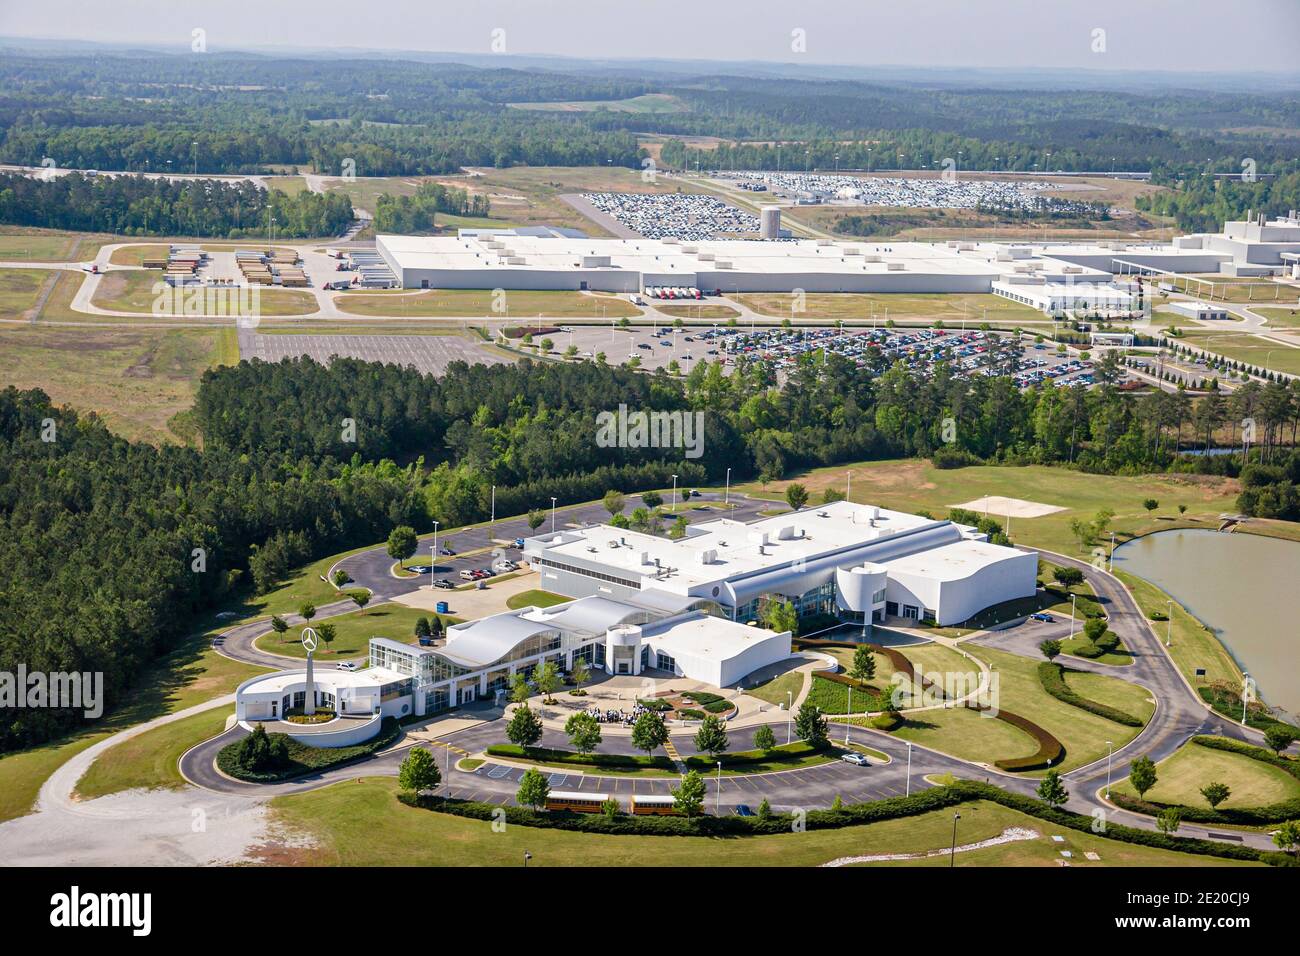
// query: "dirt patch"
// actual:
[[1210, 486], [143, 366]]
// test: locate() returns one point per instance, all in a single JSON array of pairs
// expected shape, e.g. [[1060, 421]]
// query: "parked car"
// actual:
[[1041, 616], [519, 542], [443, 584], [347, 665], [743, 810], [857, 759]]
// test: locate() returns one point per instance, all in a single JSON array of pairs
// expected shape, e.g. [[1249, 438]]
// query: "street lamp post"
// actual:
[[1169, 623], [1073, 599], [492, 522], [726, 494], [848, 486], [553, 515], [789, 715], [1245, 693], [674, 494], [717, 802], [952, 856], [1110, 749], [433, 555], [1110, 564], [847, 724], [909, 770]]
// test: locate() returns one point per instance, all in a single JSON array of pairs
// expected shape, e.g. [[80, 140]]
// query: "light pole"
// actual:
[[1073, 599], [1110, 749], [674, 494], [717, 802], [1110, 564], [553, 516], [1169, 623], [909, 770], [848, 487], [789, 715], [952, 856], [846, 723], [492, 522], [726, 494], [1245, 693], [433, 555]]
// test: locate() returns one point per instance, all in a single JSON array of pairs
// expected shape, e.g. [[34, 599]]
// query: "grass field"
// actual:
[[188, 676], [1248, 348], [135, 255], [19, 290], [1193, 646], [23, 243], [1285, 318], [461, 302], [911, 485], [134, 292], [697, 311], [777, 690], [136, 379], [861, 307], [535, 597], [354, 632], [361, 824], [1181, 776], [151, 759]]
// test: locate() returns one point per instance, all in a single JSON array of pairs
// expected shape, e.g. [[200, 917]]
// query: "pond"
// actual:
[[1244, 587]]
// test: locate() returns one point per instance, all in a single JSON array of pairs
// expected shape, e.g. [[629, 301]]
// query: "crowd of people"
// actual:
[[612, 716]]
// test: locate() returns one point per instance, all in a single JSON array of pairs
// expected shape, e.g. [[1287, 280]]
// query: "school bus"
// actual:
[[575, 802], [654, 805]]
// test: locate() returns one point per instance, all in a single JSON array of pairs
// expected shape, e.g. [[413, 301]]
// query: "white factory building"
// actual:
[[533, 259], [1253, 246], [841, 560]]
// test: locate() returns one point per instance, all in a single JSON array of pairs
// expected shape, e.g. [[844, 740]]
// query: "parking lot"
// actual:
[[430, 354], [968, 352], [675, 215]]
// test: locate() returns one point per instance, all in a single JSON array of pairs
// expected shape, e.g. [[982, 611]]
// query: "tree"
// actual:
[[796, 496], [864, 664], [533, 789], [1168, 820], [1150, 504], [547, 678], [678, 530], [810, 725], [581, 673], [524, 728], [419, 771], [837, 805], [1051, 791], [261, 752], [584, 732], [1050, 649], [402, 543], [688, 799], [422, 628], [1215, 793], [279, 625], [535, 518], [610, 808], [614, 502], [780, 616], [360, 598], [764, 809], [1287, 837], [1067, 577], [327, 633], [519, 689], [652, 499], [1142, 774], [711, 738], [1094, 628], [307, 611], [764, 738], [1278, 738], [649, 733]]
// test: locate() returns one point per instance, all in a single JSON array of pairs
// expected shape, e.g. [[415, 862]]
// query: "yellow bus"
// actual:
[[575, 802]]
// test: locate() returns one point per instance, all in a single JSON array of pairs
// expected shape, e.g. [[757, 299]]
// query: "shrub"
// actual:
[[300, 758], [1052, 676], [1050, 750], [550, 755], [792, 753], [889, 720]]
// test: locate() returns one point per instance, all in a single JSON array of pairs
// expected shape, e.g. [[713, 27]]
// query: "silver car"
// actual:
[[857, 759]]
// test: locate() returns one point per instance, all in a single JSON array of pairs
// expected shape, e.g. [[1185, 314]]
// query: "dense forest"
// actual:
[[415, 213], [301, 460], [145, 206]]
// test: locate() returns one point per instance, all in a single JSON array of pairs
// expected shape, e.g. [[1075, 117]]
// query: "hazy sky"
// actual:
[[1182, 35]]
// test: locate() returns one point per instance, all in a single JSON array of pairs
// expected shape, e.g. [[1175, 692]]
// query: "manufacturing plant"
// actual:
[[1253, 246], [690, 607], [506, 260]]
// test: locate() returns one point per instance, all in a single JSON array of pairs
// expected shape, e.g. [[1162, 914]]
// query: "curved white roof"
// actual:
[[485, 642]]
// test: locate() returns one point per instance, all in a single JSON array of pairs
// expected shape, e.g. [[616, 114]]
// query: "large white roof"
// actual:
[[951, 562]]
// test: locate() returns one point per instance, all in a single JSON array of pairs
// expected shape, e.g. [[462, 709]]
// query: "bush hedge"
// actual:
[[854, 814], [1052, 676], [1227, 702], [549, 755], [304, 759], [785, 753], [1050, 750]]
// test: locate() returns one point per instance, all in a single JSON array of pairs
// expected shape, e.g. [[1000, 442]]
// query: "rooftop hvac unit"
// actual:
[[642, 557], [785, 532], [871, 258], [824, 242], [719, 264], [1073, 270], [706, 257], [758, 537], [895, 267], [691, 249], [672, 242], [852, 251], [707, 556]]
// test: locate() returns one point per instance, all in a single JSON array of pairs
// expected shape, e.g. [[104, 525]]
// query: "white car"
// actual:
[[347, 665], [857, 759]]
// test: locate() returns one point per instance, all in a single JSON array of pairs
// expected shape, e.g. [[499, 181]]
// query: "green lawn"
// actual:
[[536, 598], [20, 288], [457, 302], [966, 734], [1284, 318], [911, 485], [1181, 776], [777, 690], [363, 824], [354, 632], [152, 759], [134, 292], [1249, 349], [190, 675]]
